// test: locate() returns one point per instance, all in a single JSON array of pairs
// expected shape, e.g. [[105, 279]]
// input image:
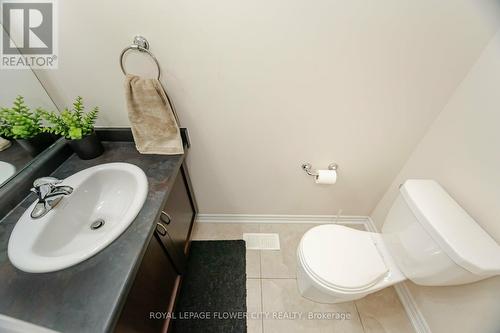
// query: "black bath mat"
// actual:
[[213, 291]]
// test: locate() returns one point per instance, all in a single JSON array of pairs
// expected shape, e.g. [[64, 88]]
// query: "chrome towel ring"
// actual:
[[141, 44]]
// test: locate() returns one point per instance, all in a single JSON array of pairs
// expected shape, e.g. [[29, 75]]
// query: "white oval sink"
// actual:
[[7, 170], [113, 193]]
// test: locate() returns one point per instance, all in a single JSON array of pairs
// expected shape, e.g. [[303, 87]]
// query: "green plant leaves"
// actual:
[[75, 133], [73, 124], [19, 122]]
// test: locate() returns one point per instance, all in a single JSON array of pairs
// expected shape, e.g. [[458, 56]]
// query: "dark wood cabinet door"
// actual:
[[177, 217], [157, 281], [153, 288]]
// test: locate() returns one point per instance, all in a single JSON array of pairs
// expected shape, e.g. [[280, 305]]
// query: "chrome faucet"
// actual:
[[49, 195]]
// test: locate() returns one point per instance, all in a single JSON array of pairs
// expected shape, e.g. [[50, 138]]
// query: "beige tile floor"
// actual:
[[274, 302]]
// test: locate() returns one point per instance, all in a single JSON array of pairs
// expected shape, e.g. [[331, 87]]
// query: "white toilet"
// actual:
[[426, 238]]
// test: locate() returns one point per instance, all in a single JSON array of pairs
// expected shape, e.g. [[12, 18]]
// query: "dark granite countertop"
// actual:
[[87, 297]]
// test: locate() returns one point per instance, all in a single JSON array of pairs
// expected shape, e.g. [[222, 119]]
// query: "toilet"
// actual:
[[426, 238]]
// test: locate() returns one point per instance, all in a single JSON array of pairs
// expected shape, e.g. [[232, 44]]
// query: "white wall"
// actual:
[[266, 85], [462, 152]]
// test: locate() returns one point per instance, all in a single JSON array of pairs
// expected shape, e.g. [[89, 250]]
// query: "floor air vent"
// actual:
[[262, 241]]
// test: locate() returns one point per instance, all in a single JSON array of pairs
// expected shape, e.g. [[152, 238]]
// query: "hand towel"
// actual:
[[4, 144], [154, 124]]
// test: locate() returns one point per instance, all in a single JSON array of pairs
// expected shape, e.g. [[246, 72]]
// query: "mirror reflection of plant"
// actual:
[[19, 122], [73, 124]]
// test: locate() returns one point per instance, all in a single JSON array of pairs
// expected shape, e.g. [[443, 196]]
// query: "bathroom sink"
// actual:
[[6, 171], [104, 202]]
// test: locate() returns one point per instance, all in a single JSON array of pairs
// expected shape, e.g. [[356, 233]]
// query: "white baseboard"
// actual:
[[260, 218], [409, 304], [370, 226], [416, 317]]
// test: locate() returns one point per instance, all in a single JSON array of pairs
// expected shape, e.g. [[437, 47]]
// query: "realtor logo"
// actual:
[[28, 36]]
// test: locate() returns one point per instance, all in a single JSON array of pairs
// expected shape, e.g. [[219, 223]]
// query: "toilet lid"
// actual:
[[342, 258]]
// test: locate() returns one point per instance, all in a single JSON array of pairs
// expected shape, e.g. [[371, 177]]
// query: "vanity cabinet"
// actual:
[[175, 221], [154, 291], [151, 292]]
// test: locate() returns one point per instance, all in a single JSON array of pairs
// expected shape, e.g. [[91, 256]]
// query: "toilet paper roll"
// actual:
[[326, 177]]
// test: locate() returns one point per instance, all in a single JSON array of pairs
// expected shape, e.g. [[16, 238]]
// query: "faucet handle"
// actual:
[[43, 186], [46, 181]]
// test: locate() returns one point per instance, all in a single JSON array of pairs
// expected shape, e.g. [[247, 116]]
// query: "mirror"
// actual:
[[17, 153]]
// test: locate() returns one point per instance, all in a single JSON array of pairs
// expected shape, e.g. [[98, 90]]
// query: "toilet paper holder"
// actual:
[[307, 167]]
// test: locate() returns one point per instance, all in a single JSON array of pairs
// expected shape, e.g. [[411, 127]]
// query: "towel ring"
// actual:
[[141, 44]]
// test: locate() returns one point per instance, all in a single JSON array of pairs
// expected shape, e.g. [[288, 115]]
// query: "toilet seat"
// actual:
[[342, 258]]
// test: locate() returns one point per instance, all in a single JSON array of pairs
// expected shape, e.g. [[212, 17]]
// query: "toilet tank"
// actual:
[[434, 241]]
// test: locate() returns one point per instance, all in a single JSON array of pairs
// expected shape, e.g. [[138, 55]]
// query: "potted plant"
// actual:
[[25, 126], [77, 127]]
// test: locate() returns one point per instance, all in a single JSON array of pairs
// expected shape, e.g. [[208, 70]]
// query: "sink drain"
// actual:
[[97, 224]]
